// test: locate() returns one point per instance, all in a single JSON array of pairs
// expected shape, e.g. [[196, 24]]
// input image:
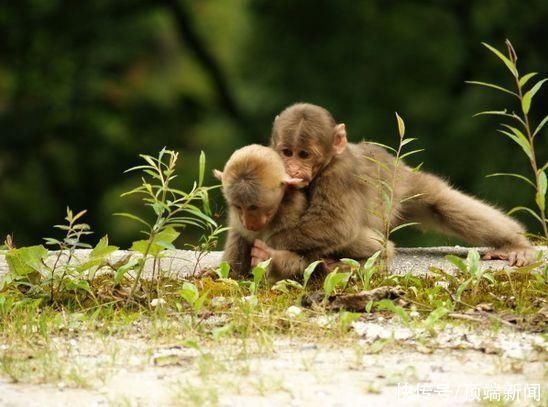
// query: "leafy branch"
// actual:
[[521, 132], [173, 209]]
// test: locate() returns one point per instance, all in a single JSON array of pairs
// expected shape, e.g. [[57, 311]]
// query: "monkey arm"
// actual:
[[334, 218], [453, 212], [237, 253]]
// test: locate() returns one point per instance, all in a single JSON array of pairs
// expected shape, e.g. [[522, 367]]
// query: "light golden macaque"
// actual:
[[342, 218], [262, 202]]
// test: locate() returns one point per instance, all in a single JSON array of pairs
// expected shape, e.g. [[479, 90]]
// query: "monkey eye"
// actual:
[[238, 207], [287, 152], [304, 154], [252, 207]]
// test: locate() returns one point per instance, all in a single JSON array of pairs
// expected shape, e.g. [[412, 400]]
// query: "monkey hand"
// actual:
[[516, 256], [260, 252]]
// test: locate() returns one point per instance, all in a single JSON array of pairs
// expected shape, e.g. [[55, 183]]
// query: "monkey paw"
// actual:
[[260, 252], [516, 256]]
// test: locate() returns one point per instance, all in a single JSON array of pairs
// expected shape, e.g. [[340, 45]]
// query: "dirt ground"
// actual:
[[387, 364], [383, 364]]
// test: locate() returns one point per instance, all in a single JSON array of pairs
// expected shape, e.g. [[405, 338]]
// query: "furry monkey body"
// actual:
[[345, 212], [262, 203]]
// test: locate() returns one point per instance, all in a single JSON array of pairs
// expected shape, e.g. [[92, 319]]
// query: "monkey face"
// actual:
[[307, 138], [255, 218], [300, 162], [255, 214]]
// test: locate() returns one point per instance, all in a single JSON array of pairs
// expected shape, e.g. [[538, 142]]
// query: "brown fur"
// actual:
[[344, 216], [255, 176]]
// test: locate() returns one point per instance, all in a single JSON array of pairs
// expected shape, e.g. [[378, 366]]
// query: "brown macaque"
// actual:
[[262, 202], [345, 209]]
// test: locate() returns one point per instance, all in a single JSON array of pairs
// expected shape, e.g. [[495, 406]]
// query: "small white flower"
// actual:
[[293, 311], [218, 301], [251, 300], [414, 314], [157, 302]]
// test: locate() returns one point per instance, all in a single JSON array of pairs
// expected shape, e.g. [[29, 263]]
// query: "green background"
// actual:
[[85, 86]]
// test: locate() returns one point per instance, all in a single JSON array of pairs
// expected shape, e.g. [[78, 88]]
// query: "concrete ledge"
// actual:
[[181, 263]]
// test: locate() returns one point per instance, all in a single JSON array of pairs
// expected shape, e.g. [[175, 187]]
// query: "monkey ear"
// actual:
[[339, 145], [218, 174], [277, 117]]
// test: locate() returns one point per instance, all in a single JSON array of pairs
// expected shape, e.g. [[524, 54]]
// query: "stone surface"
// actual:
[[181, 263]]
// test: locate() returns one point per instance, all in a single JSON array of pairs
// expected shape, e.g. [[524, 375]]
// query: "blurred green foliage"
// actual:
[[86, 86]]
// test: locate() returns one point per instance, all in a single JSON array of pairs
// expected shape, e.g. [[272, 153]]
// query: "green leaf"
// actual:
[[123, 270], [351, 262], [140, 246], [282, 285], [166, 237], [334, 280], [371, 260], [382, 145], [73, 284], [309, 270], [396, 309], [408, 198], [541, 125], [473, 259], [258, 273], [52, 242], [79, 215], [489, 277], [540, 197], [102, 249], [526, 100], [411, 153], [457, 261], [490, 85], [223, 270], [501, 113], [461, 288], [509, 64], [346, 318], [189, 292], [199, 214], [508, 174], [401, 125], [407, 141], [435, 316], [378, 346], [520, 140], [525, 209], [404, 225], [524, 79], [221, 331], [26, 260], [130, 216], [199, 303], [201, 168]]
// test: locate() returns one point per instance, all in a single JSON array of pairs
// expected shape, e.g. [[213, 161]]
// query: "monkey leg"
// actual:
[[452, 212], [364, 245]]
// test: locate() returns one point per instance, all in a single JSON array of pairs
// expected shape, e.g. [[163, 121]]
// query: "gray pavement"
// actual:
[[181, 263]]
